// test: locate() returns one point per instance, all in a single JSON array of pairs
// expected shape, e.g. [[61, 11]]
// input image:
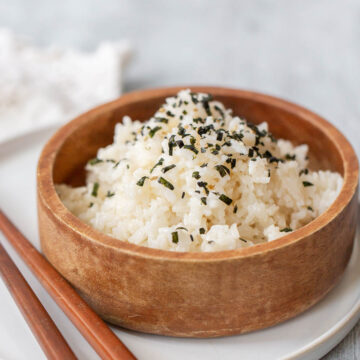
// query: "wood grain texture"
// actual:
[[95, 331], [198, 294], [42, 326]]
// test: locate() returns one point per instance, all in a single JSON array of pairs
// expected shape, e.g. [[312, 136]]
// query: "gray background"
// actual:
[[307, 51]]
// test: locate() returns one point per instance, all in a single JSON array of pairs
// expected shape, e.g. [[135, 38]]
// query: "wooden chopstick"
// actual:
[[94, 330], [39, 321]]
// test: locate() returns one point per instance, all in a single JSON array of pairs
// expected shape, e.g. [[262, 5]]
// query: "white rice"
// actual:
[[261, 197]]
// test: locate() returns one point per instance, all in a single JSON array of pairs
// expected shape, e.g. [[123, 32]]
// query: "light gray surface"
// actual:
[[306, 51]]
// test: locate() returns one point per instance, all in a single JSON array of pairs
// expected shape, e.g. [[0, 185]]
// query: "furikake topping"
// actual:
[[203, 147], [307, 183], [290, 157], [196, 175], [166, 183], [162, 120], [194, 98], [159, 163], [286, 229], [110, 194], [171, 144], [203, 184], [222, 170], [192, 148], [154, 130], [167, 168], [225, 199], [181, 131], [182, 228], [175, 237], [180, 143], [95, 189], [95, 161], [220, 111], [141, 181], [191, 134]]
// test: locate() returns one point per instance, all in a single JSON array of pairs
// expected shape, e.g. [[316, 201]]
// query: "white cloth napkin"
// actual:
[[44, 86]]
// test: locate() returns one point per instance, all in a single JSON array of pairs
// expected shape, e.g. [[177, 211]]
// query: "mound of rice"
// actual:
[[196, 178]]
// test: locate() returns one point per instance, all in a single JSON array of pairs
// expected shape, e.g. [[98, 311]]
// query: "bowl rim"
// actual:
[[50, 199]]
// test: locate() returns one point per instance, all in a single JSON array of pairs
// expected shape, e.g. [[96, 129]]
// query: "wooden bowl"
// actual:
[[197, 294]]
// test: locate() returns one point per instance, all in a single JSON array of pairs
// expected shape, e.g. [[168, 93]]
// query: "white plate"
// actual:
[[308, 336]]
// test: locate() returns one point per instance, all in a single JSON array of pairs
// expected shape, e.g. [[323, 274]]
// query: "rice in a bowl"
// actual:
[[196, 178]]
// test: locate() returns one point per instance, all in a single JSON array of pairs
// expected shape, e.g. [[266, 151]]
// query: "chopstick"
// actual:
[[39, 321], [94, 330]]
